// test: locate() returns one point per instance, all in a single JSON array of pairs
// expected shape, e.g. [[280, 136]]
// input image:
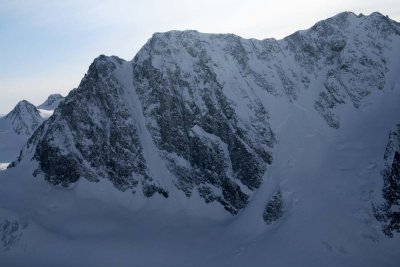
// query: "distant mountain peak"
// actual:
[[51, 102], [55, 96], [25, 118], [22, 107]]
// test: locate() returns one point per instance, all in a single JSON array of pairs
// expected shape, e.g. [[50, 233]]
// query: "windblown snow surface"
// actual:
[[328, 177]]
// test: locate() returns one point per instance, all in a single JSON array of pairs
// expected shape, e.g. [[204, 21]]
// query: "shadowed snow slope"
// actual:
[[214, 150]]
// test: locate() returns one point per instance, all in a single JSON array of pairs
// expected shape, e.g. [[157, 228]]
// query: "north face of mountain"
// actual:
[[198, 113]]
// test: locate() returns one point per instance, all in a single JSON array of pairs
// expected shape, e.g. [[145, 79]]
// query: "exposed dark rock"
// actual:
[[389, 211], [274, 208]]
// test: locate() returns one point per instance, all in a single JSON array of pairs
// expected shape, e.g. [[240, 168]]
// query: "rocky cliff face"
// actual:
[[351, 51], [389, 211], [191, 111]]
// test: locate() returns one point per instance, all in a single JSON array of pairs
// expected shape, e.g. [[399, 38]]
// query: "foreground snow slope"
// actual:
[[142, 164], [328, 219]]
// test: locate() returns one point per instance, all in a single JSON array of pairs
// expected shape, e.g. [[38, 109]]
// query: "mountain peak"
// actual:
[[350, 14], [22, 106], [25, 118], [51, 102], [171, 33], [55, 96]]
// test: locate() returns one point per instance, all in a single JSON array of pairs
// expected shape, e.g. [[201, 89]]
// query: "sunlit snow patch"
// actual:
[[45, 114], [3, 166]]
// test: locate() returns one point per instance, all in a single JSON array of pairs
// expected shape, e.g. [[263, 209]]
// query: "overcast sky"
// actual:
[[47, 46]]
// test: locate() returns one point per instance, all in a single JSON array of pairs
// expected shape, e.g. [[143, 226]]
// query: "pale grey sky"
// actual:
[[46, 46]]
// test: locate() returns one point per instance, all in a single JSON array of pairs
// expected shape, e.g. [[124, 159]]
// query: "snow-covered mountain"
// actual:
[[51, 102], [24, 118], [18, 125], [287, 135], [15, 129]]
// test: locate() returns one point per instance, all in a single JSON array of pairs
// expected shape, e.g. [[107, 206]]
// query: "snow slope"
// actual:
[[322, 102], [328, 219]]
